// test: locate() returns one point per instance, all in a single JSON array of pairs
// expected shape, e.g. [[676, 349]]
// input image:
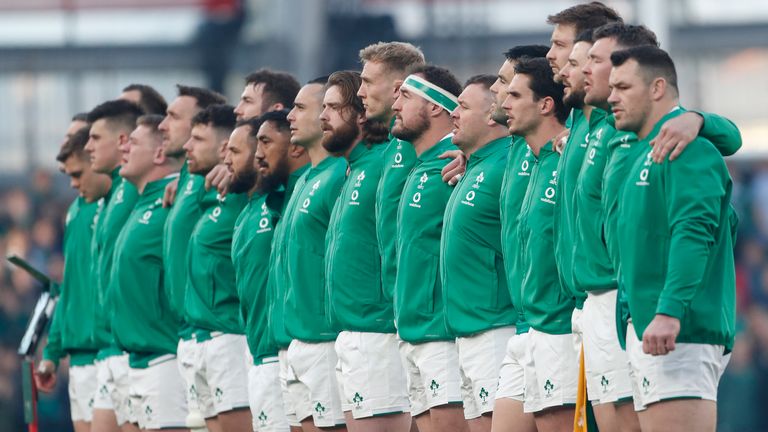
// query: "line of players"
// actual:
[[399, 250]]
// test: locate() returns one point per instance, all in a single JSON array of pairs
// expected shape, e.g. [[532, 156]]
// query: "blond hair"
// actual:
[[396, 56]]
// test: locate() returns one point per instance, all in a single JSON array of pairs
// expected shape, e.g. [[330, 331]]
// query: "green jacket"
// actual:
[[118, 205], [399, 158], [418, 300], [592, 267], [675, 241], [306, 309], [565, 210], [547, 304], [352, 259], [251, 247], [211, 301], [471, 265], [142, 322], [517, 175], [72, 326], [182, 217], [277, 285]]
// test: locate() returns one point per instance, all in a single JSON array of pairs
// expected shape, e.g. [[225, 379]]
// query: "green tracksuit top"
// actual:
[[676, 242], [306, 309], [251, 247], [118, 205], [622, 153], [418, 299], [471, 264], [399, 159], [565, 210], [352, 258], [592, 266], [71, 330], [211, 301], [277, 285], [182, 217], [142, 322], [517, 175], [547, 304]]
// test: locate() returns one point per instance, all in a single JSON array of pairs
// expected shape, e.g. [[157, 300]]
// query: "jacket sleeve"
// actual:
[[721, 132], [53, 350], [694, 188]]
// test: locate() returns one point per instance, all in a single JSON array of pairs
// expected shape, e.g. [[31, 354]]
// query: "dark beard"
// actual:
[[500, 117], [575, 100], [244, 181], [279, 176], [342, 138], [415, 131]]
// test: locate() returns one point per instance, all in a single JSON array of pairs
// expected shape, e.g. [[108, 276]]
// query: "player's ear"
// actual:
[[546, 105], [159, 157], [659, 88]]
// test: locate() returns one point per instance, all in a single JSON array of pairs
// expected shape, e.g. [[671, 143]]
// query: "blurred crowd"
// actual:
[[32, 210]]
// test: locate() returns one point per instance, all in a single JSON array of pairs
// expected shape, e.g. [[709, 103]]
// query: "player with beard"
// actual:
[[372, 379], [308, 366], [142, 323], [251, 247], [211, 305], [72, 325], [536, 112], [185, 212], [608, 156], [265, 90], [676, 248], [111, 124], [477, 302], [422, 117], [385, 66]]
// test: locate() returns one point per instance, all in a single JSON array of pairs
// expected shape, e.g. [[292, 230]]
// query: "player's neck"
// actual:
[[317, 153], [658, 111], [494, 133], [546, 132], [439, 129]]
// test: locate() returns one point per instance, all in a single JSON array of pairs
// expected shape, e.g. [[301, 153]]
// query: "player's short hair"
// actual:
[[585, 36], [81, 116], [395, 56], [219, 116], [653, 62], [253, 124], [517, 52], [323, 79], [202, 96], [626, 35], [585, 16], [348, 82], [75, 145], [485, 80], [150, 121], [150, 100], [438, 76], [118, 113], [279, 87], [278, 118], [542, 83]]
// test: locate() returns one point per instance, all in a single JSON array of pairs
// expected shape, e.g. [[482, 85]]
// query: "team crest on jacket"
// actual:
[[549, 192], [643, 178], [264, 225], [470, 196], [355, 193], [417, 196]]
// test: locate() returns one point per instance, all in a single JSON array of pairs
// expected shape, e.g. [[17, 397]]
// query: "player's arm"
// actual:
[[219, 178], [678, 132], [454, 169], [695, 190], [170, 192], [45, 376]]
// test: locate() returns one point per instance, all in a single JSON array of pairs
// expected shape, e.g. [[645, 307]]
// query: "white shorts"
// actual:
[[433, 375], [266, 397], [158, 394], [287, 382], [186, 356], [215, 371], [82, 391], [370, 373], [113, 385], [552, 371], [606, 365], [577, 329], [480, 358], [512, 372], [314, 389], [690, 371]]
